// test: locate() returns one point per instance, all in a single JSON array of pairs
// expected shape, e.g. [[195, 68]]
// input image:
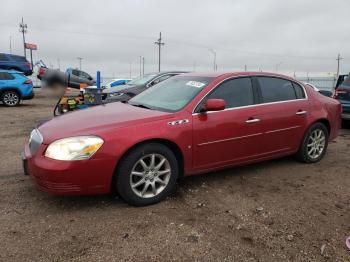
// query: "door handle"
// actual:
[[301, 112], [252, 120]]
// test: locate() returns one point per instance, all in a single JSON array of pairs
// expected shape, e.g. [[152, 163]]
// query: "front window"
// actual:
[[142, 80], [172, 94]]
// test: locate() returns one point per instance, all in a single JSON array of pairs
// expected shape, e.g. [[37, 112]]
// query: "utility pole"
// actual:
[[159, 44], [278, 65], [59, 64], [245, 68], [214, 63], [338, 64], [129, 70], [23, 29], [10, 44], [79, 58], [140, 65], [143, 65]]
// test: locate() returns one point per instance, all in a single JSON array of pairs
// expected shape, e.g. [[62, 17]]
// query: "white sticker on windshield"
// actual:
[[195, 84]]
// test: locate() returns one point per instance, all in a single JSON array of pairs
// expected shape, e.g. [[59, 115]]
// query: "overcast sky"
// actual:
[[292, 35]]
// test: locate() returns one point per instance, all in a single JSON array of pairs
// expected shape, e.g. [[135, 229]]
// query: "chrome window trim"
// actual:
[[261, 104]]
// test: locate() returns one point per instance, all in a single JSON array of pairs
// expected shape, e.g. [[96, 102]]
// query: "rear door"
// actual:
[[283, 114], [231, 135], [7, 80]]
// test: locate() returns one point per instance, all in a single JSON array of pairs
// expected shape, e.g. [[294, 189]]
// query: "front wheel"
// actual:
[[147, 174], [10, 98], [314, 145]]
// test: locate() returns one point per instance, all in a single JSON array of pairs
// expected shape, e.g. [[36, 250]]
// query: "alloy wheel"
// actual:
[[10, 99], [150, 175], [316, 143]]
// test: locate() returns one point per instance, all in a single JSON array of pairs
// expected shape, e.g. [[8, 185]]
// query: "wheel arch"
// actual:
[[166, 142], [4, 89], [326, 122]]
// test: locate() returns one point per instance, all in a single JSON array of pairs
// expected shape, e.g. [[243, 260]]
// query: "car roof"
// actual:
[[11, 54], [166, 72], [236, 73], [10, 71]]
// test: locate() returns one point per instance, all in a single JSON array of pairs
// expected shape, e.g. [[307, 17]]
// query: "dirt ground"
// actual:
[[279, 210]]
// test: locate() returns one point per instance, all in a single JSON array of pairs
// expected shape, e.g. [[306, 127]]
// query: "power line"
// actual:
[[159, 43], [174, 41]]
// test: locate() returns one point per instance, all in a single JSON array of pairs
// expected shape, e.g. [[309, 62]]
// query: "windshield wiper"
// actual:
[[141, 105]]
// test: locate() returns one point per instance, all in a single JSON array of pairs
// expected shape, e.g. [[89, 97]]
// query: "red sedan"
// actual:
[[186, 125]]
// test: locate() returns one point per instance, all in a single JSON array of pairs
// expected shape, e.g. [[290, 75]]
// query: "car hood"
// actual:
[[93, 121], [120, 88]]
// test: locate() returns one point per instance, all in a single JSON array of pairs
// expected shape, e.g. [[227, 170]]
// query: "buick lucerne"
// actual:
[[188, 124]]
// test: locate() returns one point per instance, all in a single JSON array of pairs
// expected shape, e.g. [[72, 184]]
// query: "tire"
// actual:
[[314, 144], [142, 184], [10, 98]]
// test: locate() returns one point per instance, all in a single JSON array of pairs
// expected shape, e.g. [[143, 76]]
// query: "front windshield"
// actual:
[[172, 94], [141, 80]]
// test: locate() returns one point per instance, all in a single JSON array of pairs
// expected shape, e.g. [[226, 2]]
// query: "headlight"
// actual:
[[74, 148]]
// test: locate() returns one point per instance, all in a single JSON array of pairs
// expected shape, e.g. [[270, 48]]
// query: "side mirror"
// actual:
[[214, 105]]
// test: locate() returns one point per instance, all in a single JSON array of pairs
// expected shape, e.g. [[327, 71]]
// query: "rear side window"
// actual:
[[3, 57], [299, 91], [236, 92], [75, 72], [6, 76], [276, 89], [19, 58]]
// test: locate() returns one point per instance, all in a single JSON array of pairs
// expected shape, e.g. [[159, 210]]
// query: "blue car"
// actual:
[[14, 87], [15, 62]]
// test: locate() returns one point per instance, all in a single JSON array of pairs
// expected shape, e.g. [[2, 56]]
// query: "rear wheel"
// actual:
[[314, 145], [10, 98], [147, 174]]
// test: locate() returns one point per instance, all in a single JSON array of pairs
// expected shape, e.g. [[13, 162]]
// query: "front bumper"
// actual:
[[87, 177]]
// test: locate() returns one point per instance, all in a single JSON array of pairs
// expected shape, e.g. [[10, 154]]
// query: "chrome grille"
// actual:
[[35, 140]]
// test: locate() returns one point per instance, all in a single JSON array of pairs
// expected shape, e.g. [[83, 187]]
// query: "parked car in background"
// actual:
[[71, 77], [14, 87], [15, 62], [136, 86], [342, 94], [116, 82], [323, 92], [111, 83], [189, 124]]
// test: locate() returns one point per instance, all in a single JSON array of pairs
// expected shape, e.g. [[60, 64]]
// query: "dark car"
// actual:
[[125, 92], [15, 62], [342, 94]]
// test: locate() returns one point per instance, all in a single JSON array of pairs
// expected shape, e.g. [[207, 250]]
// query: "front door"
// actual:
[[231, 135]]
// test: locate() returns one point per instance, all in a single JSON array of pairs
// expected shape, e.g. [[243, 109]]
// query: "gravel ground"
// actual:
[[278, 210]]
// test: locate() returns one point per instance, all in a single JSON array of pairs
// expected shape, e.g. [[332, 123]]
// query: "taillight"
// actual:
[[41, 71], [28, 82], [339, 91]]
